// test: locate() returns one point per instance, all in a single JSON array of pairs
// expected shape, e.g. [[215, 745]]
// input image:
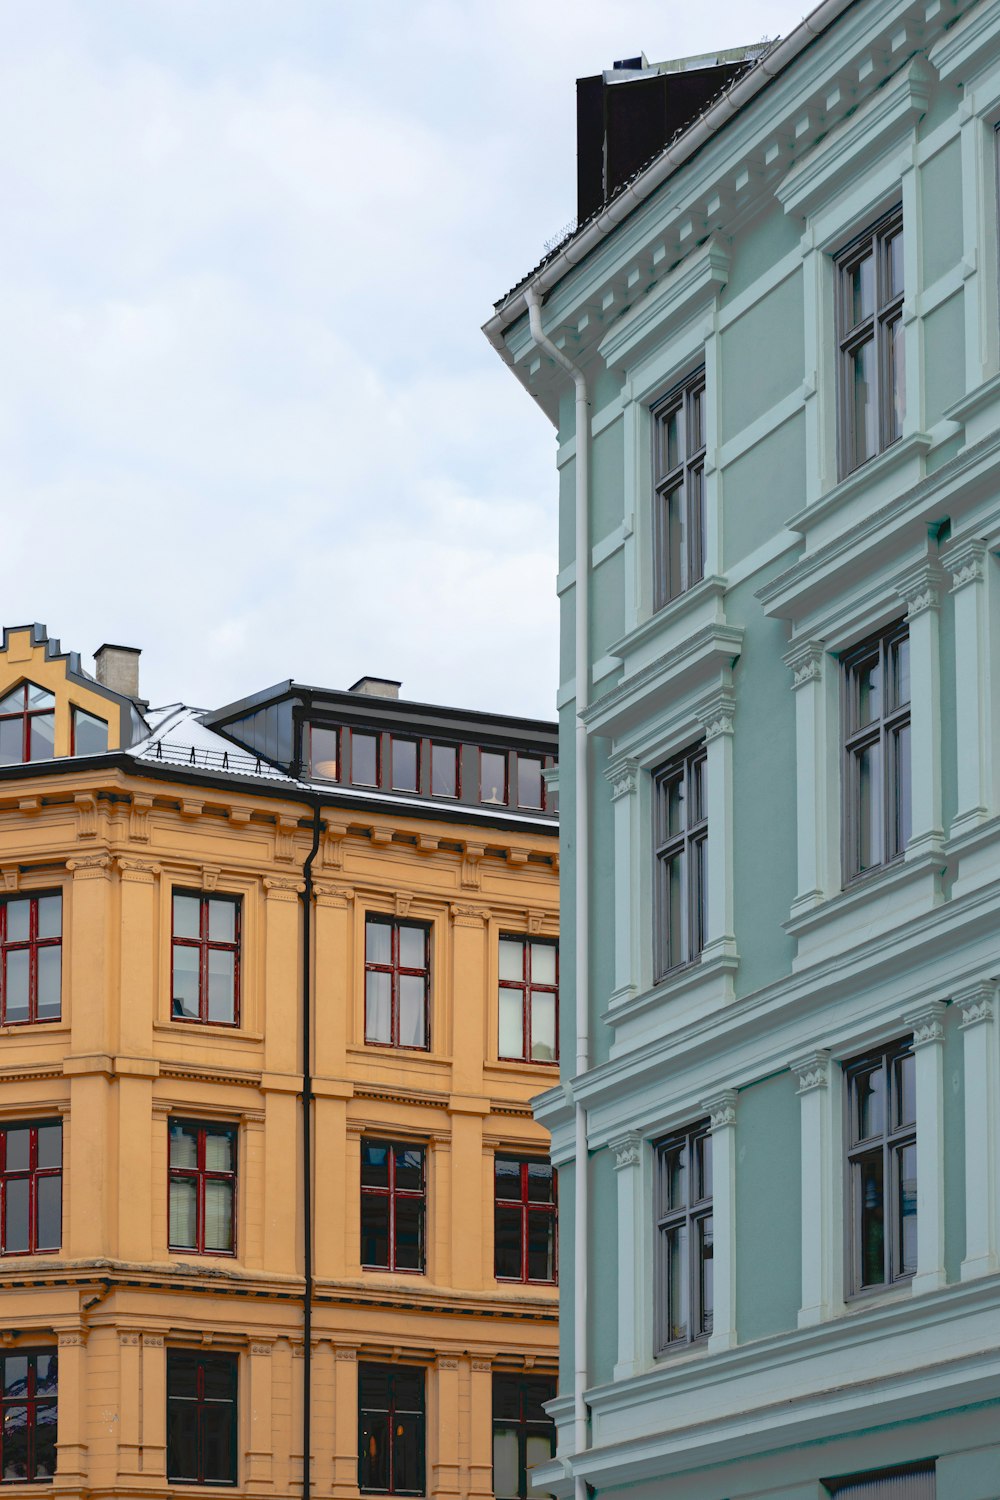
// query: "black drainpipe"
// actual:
[[307, 1206]]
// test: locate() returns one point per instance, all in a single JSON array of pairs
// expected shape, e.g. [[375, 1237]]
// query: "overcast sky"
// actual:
[[248, 421]]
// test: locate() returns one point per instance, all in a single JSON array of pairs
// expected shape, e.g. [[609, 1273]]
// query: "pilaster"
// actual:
[[975, 662], [444, 1464], [345, 1453], [624, 778], [814, 786], [977, 1003], [71, 1446], [822, 1214], [921, 587], [480, 1429], [716, 716], [633, 1314], [259, 1457], [927, 1025], [721, 1111]]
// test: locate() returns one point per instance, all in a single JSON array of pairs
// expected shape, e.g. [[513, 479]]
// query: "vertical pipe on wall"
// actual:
[[581, 864], [307, 1204]]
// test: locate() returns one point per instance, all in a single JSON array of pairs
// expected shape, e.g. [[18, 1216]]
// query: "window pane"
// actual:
[[492, 777], [373, 1454], [674, 1161], [18, 1149], [407, 1467], [677, 1283], [696, 421], [221, 985], [49, 1145], [444, 771], [904, 1080], [183, 1212], [868, 764], [896, 382], [50, 1212], [182, 1441], [703, 1152], [16, 1219], [673, 542], [43, 736], [374, 1164], [543, 963], [187, 913], [378, 943], [670, 447], [18, 966], [409, 1388], [90, 734], [871, 1188], [673, 924], [378, 1007], [511, 959], [539, 1449], [543, 1027], [219, 1151], [867, 691], [541, 1247], [13, 702], [39, 697], [696, 527], [404, 765], [15, 1442], [412, 1020], [218, 1216], [412, 946], [507, 1242], [49, 983], [218, 1457], [706, 1289], [18, 920], [409, 1168], [364, 759], [507, 1178], [901, 672], [505, 1463], [15, 1375], [11, 742], [219, 1377], [865, 418], [222, 921], [861, 290], [183, 1145], [539, 1182], [49, 916], [903, 788], [323, 751], [906, 1167], [409, 1234], [511, 1039], [894, 263], [675, 794], [529, 782], [869, 1093], [374, 1229], [45, 1439]]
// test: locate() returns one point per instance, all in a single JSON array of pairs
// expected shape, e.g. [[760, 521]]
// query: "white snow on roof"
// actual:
[[180, 738]]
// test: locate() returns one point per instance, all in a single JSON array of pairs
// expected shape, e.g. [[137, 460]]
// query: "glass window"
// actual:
[[30, 959], [366, 768], [684, 1238], [206, 958], [28, 1407], [27, 724], [882, 1168], [444, 770], [405, 766], [523, 1435], [528, 999], [524, 1219], [90, 734], [877, 795], [201, 1417], [493, 776], [871, 342], [397, 975], [202, 1210], [679, 490], [530, 787], [393, 1206], [324, 752], [30, 1187], [680, 843], [391, 1429]]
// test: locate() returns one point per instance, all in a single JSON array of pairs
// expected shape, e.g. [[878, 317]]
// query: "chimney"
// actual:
[[117, 668], [376, 687]]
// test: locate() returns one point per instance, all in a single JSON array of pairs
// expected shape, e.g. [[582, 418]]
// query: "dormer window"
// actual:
[[90, 734], [27, 724]]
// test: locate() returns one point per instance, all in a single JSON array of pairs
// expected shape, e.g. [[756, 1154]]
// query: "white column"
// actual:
[[721, 1110], [927, 1024], [633, 1236], [921, 588], [822, 1194], [624, 778], [977, 1003], [815, 787], [968, 564], [716, 715]]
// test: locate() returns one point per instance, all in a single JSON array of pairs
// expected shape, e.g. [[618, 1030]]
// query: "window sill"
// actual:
[[700, 987], [887, 897], [201, 1029], [33, 1028], [711, 587], [885, 465]]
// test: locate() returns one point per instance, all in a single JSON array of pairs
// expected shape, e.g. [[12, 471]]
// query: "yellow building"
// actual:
[[277, 984]]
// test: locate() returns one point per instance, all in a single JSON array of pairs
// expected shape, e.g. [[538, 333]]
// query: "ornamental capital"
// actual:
[[927, 1022], [966, 562], [812, 1070], [805, 661], [977, 1002], [624, 778], [921, 587], [721, 1109], [716, 715], [627, 1149]]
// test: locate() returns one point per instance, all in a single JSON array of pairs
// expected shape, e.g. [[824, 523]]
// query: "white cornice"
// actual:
[[688, 289]]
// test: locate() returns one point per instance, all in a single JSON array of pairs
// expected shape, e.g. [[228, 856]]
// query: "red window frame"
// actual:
[[529, 1206], [28, 1401], [527, 988], [33, 943], [392, 1193], [201, 1175], [195, 1409], [204, 944], [26, 714], [368, 734], [394, 969], [31, 1174]]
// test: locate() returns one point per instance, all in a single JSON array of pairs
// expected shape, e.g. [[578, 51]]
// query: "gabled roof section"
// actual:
[[29, 652]]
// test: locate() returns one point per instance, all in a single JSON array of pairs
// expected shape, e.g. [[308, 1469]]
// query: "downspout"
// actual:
[[307, 1203], [581, 868]]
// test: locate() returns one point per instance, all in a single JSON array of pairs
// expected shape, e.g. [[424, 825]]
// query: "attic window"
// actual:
[[90, 734], [27, 724]]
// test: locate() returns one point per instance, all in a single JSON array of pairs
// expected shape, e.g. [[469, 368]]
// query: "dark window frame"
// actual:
[[883, 731], [395, 969], [688, 1219], [677, 568], [368, 734], [204, 945], [30, 1401], [527, 986], [26, 714], [370, 1412], [391, 1194], [32, 945], [875, 328], [199, 1402], [504, 755], [889, 1144], [528, 1207], [75, 712], [688, 847], [528, 1388], [337, 731], [543, 762], [447, 745], [31, 1174], [202, 1175], [417, 743]]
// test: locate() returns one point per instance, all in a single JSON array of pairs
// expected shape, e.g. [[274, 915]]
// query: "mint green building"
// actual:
[[771, 351]]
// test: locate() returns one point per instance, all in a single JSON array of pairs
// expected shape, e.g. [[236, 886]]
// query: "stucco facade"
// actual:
[[122, 1072], [807, 278]]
